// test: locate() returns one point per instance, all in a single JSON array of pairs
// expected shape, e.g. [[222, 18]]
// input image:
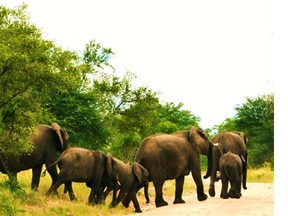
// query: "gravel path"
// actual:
[[257, 200]]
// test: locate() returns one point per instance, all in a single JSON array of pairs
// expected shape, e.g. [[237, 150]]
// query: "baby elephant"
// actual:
[[230, 166], [130, 178], [81, 165]]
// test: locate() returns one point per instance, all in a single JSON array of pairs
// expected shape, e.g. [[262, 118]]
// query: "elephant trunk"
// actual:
[[146, 193], [245, 173], [210, 162]]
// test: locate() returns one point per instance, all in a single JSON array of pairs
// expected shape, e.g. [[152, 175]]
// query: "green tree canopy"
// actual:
[[255, 117]]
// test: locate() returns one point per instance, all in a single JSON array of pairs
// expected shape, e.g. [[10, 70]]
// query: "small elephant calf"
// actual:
[[130, 178], [230, 165]]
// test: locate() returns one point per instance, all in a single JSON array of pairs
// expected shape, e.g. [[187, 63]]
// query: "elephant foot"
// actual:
[[236, 196], [202, 197], [212, 192], [178, 201], [161, 203], [72, 198], [138, 211], [112, 204], [91, 203], [51, 192], [34, 188], [224, 196], [126, 203]]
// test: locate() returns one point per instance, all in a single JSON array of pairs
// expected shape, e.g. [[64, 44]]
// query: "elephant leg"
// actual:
[[105, 192], [95, 196], [91, 198], [212, 182], [179, 190], [53, 188], [53, 173], [62, 178], [234, 190], [36, 172], [132, 194], [126, 201], [196, 174], [68, 187], [121, 195], [13, 178], [215, 158], [224, 189], [159, 201]]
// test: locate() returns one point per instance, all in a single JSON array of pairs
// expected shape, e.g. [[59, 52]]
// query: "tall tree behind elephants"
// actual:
[[255, 117]]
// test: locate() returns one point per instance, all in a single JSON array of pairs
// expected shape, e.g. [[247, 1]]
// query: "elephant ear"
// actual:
[[62, 135], [111, 168], [138, 171], [243, 135]]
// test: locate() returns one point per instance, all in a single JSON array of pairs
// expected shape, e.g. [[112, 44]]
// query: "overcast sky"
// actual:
[[208, 54]]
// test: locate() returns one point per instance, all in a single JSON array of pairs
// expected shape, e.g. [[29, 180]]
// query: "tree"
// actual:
[[174, 118], [255, 117], [23, 60], [35, 75]]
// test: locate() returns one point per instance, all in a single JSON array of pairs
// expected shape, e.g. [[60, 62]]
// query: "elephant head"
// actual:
[[141, 173], [200, 138], [130, 177], [143, 178]]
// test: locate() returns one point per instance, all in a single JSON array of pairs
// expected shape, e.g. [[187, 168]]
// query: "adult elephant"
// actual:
[[173, 156], [235, 142], [47, 141]]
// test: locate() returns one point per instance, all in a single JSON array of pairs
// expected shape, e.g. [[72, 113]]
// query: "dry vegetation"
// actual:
[[37, 203]]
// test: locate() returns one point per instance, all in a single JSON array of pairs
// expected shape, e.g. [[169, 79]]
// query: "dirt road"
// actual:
[[257, 200]]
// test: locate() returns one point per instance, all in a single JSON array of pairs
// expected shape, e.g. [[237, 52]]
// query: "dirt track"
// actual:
[[258, 199]]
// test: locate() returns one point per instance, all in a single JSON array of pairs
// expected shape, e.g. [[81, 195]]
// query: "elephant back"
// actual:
[[231, 141]]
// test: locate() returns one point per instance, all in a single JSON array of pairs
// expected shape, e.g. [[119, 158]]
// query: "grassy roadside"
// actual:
[[26, 202]]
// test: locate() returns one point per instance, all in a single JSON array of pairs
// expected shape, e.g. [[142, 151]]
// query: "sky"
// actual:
[[209, 55]]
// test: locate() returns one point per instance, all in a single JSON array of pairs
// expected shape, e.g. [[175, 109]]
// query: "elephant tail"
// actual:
[[209, 161], [53, 164]]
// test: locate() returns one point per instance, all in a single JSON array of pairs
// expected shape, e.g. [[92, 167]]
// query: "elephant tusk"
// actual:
[[215, 144]]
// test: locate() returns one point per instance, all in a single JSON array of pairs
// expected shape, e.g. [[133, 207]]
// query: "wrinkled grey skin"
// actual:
[[130, 178], [173, 156], [231, 171], [81, 165], [235, 142], [47, 141]]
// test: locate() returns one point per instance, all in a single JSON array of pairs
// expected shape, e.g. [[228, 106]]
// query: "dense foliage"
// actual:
[[255, 117], [42, 83]]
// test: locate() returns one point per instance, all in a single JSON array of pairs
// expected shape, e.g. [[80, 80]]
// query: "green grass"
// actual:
[[26, 202], [263, 175]]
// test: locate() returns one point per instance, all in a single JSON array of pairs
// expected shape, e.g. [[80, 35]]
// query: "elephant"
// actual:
[[230, 166], [173, 156], [235, 142], [78, 164], [47, 141], [130, 178]]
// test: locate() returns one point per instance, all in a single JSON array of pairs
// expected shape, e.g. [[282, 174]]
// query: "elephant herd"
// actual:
[[160, 157]]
